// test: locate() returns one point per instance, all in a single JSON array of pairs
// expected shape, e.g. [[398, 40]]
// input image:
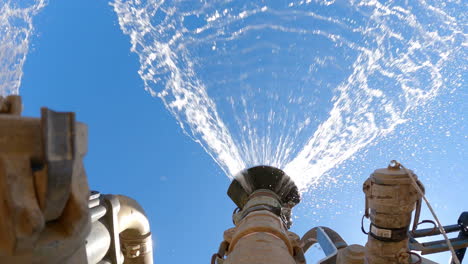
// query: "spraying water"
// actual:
[[16, 28], [300, 85]]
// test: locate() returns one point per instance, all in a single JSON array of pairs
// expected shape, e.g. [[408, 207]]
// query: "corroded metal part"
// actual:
[[58, 137], [259, 238], [47, 210], [44, 213], [11, 105], [352, 254], [390, 201]]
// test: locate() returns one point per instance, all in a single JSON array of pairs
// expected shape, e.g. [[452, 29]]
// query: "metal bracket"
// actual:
[[439, 245], [58, 133], [112, 205], [327, 246]]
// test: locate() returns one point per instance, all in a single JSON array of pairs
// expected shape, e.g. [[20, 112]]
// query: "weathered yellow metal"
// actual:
[[11, 105], [390, 201], [352, 254], [47, 210], [261, 237], [43, 186], [265, 196]]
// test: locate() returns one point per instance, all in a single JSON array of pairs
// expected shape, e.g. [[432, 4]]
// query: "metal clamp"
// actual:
[[388, 234]]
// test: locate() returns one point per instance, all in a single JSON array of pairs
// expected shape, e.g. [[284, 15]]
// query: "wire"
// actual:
[[441, 228]]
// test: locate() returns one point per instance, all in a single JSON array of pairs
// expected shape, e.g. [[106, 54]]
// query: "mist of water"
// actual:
[[301, 85], [16, 28]]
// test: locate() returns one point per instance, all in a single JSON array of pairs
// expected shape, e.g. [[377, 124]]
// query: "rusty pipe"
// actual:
[[134, 232]]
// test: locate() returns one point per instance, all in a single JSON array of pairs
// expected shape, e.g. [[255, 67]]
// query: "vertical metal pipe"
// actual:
[[260, 238], [265, 196]]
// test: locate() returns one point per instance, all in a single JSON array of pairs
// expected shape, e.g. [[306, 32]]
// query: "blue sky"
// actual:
[[80, 61]]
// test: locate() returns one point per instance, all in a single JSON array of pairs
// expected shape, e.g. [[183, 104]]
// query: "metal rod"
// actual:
[[425, 232]]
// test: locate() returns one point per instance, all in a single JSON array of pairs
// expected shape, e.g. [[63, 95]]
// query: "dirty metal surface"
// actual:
[[43, 186]]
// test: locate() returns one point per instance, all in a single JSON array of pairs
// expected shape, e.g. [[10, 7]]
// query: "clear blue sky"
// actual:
[[81, 61]]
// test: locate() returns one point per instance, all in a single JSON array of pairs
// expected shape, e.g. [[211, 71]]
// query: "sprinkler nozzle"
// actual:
[[264, 181]]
